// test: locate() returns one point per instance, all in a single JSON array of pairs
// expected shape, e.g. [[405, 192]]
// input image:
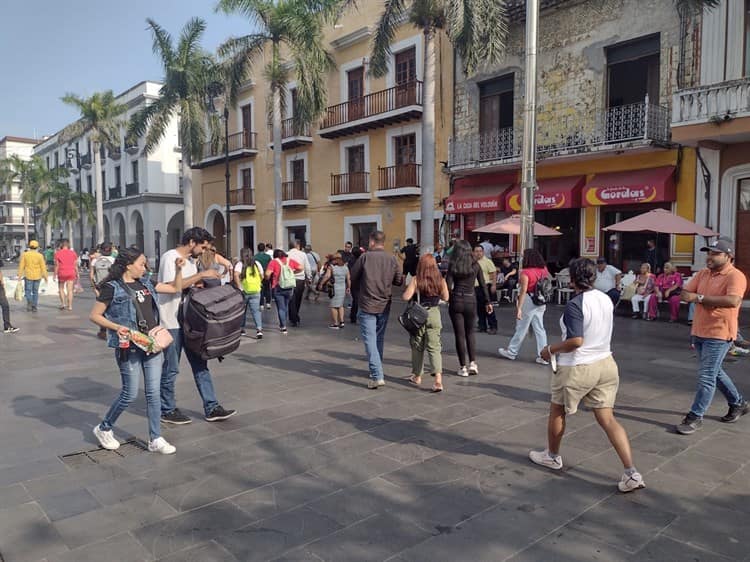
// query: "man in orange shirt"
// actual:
[[717, 291]]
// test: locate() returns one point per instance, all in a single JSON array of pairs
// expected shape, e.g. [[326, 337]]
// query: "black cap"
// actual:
[[724, 245], [601, 260]]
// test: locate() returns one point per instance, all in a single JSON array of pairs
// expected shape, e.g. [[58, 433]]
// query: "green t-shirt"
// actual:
[[263, 258], [49, 255]]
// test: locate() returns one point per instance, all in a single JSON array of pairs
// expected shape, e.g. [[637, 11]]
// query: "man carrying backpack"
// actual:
[[193, 243], [98, 272], [280, 273], [530, 306]]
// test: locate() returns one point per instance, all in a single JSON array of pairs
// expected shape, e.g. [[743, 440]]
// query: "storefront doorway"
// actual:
[[626, 250], [559, 250], [743, 225]]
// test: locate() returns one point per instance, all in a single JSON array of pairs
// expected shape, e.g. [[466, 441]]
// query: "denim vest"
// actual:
[[122, 309]]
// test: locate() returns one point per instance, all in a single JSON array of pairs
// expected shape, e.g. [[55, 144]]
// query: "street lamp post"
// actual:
[[74, 152], [214, 90]]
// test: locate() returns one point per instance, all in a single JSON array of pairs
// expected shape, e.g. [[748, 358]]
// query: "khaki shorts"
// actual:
[[596, 384]]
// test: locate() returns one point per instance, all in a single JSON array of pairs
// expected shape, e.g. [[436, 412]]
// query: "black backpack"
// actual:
[[212, 321], [543, 292]]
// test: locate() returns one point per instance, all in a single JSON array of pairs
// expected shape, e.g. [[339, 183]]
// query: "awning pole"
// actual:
[[528, 157]]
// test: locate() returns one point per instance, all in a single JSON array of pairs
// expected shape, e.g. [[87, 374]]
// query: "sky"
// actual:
[[49, 48]]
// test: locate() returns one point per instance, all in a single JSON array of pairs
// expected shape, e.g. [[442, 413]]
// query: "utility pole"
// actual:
[[528, 155]]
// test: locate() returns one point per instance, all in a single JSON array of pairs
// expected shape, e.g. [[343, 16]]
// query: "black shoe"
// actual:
[[175, 417], [492, 331], [243, 332], [690, 424], [736, 412], [33, 309], [220, 414]]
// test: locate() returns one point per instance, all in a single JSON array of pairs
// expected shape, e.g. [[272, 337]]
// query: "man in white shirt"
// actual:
[[608, 279], [194, 242], [303, 278]]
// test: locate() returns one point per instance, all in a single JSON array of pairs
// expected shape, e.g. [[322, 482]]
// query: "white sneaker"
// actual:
[[106, 439], [505, 353], [463, 372], [630, 483], [473, 369], [541, 361], [544, 458], [160, 445]]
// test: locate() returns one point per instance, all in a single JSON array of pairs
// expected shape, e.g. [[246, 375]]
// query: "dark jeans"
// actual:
[[614, 294], [5, 307], [355, 308], [463, 313], [485, 320], [171, 368], [296, 302], [265, 293]]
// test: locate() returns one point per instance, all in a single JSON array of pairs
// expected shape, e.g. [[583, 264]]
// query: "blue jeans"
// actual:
[[31, 288], [372, 330], [282, 297], [711, 353], [201, 374], [252, 301], [131, 368], [531, 315]]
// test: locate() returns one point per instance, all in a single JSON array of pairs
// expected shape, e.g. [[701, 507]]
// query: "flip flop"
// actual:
[[413, 380], [437, 388]]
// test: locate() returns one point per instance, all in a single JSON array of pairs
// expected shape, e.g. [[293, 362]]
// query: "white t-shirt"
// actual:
[[238, 267], [169, 304], [301, 258], [587, 315], [607, 280]]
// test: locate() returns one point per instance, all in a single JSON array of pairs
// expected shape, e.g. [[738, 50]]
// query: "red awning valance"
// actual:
[[553, 193], [650, 185], [485, 198]]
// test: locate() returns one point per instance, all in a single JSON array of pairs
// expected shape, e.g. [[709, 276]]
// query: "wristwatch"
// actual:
[[700, 298]]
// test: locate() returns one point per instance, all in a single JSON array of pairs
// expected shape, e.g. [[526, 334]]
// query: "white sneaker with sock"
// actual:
[[160, 445], [545, 458], [463, 372], [106, 439], [505, 353], [630, 482], [473, 369]]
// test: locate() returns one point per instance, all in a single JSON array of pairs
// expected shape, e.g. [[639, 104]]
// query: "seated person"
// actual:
[[509, 271], [668, 288], [608, 280], [645, 285]]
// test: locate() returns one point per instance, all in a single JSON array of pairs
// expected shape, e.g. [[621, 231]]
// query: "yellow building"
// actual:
[[357, 170]]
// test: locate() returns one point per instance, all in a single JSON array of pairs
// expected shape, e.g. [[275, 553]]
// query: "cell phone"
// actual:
[[553, 362]]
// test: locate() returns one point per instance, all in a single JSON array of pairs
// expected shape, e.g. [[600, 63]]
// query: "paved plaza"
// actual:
[[317, 467]]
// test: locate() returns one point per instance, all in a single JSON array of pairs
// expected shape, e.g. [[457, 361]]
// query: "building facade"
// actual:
[[714, 117], [142, 193], [606, 75], [357, 170], [14, 218]]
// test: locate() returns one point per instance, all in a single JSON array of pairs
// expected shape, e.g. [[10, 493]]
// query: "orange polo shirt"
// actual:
[[709, 321]]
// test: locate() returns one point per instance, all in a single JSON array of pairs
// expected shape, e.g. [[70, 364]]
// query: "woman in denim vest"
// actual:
[[126, 302]]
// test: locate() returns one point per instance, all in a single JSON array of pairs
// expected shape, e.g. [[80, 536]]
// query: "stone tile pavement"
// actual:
[[316, 467]]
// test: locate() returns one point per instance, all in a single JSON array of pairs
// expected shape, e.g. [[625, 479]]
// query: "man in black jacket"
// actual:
[[373, 275]]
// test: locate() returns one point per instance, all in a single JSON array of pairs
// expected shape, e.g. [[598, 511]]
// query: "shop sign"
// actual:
[[468, 205], [542, 200], [620, 195], [589, 246]]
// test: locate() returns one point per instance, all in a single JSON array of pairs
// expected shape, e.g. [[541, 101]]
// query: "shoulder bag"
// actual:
[[414, 316]]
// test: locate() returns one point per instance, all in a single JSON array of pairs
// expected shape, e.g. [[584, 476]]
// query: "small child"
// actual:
[[7, 327]]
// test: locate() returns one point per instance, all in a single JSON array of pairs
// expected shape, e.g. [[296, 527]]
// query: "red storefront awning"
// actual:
[[553, 193], [650, 185], [480, 193]]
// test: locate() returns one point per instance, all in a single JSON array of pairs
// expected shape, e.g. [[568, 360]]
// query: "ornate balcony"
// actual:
[[293, 134], [115, 153], [719, 104], [242, 199], [294, 193], [241, 144], [10, 220], [86, 161], [131, 189], [131, 147], [399, 180], [352, 186], [114, 193], [616, 128], [378, 109]]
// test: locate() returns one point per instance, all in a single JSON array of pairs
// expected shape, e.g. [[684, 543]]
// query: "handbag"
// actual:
[[18, 293], [159, 337], [414, 316]]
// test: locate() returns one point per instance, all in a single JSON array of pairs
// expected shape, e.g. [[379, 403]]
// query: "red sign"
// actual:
[[650, 185], [457, 205], [542, 201], [623, 194], [553, 193]]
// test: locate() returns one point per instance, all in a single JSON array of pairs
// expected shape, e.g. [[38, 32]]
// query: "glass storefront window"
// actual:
[[744, 204]]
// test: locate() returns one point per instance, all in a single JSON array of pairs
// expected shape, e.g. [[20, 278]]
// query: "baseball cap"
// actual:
[[601, 260], [33, 244], [724, 245]]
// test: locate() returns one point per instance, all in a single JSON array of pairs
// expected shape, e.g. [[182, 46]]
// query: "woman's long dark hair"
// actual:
[[126, 257], [248, 261], [462, 261], [583, 274], [532, 258]]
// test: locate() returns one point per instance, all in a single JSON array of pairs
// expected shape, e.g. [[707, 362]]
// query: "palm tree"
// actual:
[[293, 32], [101, 119], [31, 178], [188, 70], [478, 31], [65, 206]]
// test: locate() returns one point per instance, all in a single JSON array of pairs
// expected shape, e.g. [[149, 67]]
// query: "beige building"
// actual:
[[357, 170], [13, 220]]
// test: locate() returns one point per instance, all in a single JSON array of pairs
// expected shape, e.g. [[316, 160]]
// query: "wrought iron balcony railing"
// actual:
[[131, 189], [400, 176], [293, 128], [349, 183], [295, 190], [242, 196], [575, 134], [115, 193], [244, 140], [376, 103]]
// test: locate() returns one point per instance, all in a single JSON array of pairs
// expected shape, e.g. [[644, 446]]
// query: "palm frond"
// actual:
[[695, 6], [258, 12], [312, 65], [189, 43], [162, 43], [478, 30], [240, 53], [384, 34]]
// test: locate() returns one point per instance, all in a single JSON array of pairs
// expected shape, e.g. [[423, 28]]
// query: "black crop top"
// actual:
[[464, 284]]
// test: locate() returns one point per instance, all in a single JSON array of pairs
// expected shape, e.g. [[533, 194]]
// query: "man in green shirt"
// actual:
[[487, 322], [264, 259], [49, 255]]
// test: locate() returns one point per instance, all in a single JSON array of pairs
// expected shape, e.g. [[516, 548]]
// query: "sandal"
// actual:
[[416, 380], [437, 387]]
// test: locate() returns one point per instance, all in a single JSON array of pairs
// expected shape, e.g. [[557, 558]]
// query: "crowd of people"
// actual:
[[130, 303]]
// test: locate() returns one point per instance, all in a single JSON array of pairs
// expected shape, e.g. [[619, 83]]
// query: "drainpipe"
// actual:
[[707, 185]]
